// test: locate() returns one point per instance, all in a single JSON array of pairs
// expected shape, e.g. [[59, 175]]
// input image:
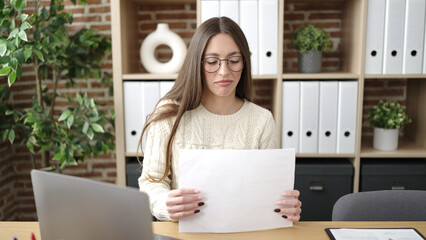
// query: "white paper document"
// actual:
[[239, 187], [375, 234]]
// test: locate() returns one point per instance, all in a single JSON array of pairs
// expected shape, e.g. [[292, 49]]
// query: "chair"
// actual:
[[386, 205]]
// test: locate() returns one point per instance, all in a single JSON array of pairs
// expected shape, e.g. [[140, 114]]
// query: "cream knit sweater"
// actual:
[[251, 127]]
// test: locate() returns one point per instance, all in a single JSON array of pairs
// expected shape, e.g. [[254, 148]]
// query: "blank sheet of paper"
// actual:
[[240, 188]]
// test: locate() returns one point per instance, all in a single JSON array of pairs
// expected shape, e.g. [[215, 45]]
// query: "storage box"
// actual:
[[321, 182], [398, 174], [133, 172]]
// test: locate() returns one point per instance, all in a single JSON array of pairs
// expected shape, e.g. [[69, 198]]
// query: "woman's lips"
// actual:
[[224, 83]]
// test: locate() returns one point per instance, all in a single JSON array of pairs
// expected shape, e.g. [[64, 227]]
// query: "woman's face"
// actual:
[[223, 82]]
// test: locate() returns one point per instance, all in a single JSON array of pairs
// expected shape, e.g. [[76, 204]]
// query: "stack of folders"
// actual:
[[140, 98], [319, 116], [259, 21], [395, 42]]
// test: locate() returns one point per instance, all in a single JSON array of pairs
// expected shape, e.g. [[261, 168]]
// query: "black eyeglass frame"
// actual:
[[227, 63]]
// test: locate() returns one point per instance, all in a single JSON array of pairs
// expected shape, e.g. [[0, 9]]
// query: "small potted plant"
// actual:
[[387, 118], [310, 42]]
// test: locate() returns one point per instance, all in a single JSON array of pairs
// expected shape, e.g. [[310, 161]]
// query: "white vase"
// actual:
[[385, 139], [163, 35]]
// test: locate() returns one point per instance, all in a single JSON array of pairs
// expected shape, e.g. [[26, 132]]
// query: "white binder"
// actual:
[[346, 121], [165, 87], [209, 9], [268, 37], [249, 25], [309, 106], [327, 136], [414, 36], [230, 8], [375, 36], [290, 115], [132, 112], [150, 91], [394, 36]]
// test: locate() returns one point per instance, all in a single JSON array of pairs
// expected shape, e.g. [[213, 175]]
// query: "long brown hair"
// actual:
[[186, 94]]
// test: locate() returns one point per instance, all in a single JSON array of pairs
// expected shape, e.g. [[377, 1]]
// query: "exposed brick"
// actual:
[[165, 16], [160, 7], [99, 10]]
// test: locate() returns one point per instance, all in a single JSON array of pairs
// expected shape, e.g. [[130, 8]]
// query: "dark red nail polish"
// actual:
[[200, 204], [284, 216], [197, 211], [277, 210]]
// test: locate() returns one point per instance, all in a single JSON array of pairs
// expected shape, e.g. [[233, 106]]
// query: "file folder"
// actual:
[[290, 115], [309, 107], [268, 36], [375, 36], [132, 113], [165, 87], [346, 121], [230, 9], [209, 9], [414, 36], [249, 25], [394, 36], [327, 140]]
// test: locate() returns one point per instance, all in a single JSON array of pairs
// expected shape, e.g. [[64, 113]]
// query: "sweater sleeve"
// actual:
[[154, 166], [268, 139]]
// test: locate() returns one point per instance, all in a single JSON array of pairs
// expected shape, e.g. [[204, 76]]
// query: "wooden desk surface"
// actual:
[[301, 230]]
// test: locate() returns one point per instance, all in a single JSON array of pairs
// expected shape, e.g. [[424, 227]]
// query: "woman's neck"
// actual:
[[222, 105]]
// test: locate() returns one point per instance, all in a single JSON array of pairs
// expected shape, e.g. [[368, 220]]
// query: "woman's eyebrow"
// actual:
[[217, 55]]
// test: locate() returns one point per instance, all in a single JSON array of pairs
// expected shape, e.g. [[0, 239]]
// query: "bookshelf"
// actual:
[[350, 18]]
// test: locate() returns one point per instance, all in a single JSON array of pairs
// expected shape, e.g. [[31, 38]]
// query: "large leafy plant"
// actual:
[[311, 38], [41, 40], [388, 115]]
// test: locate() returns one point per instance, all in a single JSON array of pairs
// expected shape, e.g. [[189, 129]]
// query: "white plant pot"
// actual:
[[385, 139], [163, 35]]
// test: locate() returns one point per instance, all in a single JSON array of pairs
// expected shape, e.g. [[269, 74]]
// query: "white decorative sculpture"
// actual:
[[163, 35]]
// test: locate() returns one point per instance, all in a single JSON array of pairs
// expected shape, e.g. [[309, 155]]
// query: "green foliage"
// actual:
[[388, 115], [42, 40], [311, 38]]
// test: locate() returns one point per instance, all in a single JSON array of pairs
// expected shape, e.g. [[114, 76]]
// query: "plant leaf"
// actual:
[[23, 35], [97, 128], [5, 134], [90, 134], [12, 78], [27, 54], [70, 121], [11, 135], [5, 71], [85, 127], [64, 116], [4, 60]]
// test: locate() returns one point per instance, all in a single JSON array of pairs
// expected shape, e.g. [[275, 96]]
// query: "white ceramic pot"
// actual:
[[385, 139], [163, 35]]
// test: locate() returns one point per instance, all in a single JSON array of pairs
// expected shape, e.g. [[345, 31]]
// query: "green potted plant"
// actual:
[[387, 118], [41, 40], [310, 42]]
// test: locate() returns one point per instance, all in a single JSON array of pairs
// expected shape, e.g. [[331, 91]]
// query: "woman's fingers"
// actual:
[[184, 207], [178, 215]]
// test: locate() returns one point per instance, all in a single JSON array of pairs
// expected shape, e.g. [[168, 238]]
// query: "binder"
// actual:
[[132, 113], [268, 37], [309, 107], [375, 36], [290, 115], [249, 24], [327, 136], [229, 8], [209, 9], [165, 87], [394, 36], [414, 36], [150, 91], [346, 121]]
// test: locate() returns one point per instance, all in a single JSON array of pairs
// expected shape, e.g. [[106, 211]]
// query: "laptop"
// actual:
[[71, 208]]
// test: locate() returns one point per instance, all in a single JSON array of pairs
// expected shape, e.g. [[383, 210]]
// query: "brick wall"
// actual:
[[16, 201], [7, 182]]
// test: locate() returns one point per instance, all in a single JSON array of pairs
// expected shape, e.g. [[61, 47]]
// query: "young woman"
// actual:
[[209, 107]]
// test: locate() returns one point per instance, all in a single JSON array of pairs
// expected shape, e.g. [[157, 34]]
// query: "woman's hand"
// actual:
[[183, 202], [290, 206]]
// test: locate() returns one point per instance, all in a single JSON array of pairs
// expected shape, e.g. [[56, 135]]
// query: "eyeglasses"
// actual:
[[212, 64]]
